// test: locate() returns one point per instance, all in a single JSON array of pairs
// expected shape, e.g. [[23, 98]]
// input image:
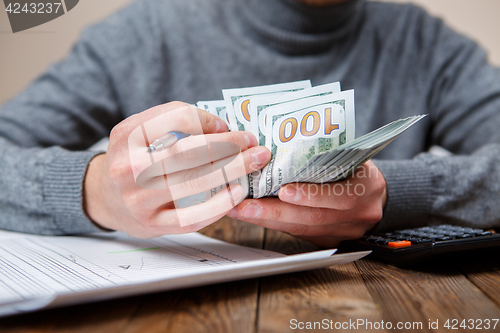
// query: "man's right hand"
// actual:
[[134, 191]]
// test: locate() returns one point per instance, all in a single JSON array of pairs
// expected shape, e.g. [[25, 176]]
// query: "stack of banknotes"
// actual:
[[309, 131]]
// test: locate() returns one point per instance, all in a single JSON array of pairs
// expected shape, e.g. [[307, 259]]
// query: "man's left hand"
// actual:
[[323, 214]]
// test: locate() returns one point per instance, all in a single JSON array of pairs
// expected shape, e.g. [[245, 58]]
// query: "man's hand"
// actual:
[[134, 191], [323, 214]]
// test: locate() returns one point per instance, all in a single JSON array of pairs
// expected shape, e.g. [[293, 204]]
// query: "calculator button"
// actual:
[[402, 238], [486, 233], [414, 240], [445, 226], [437, 236], [465, 236], [399, 237], [383, 241], [424, 240], [372, 239], [452, 234], [399, 244], [444, 238], [387, 234]]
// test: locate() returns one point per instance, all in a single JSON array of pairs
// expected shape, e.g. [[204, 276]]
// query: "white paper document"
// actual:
[[38, 272]]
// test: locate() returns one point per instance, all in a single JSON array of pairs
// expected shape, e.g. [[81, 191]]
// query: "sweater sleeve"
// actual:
[[45, 130], [463, 101]]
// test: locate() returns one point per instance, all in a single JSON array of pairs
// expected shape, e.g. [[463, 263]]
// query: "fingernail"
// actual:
[[251, 211], [290, 194], [260, 156], [250, 139], [220, 126], [237, 193]]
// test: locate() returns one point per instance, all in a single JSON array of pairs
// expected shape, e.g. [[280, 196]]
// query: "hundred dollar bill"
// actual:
[[310, 132], [209, 106], [222, 112], [337, 163], [258, 115], [217, 108], [299, 130], [205, 196], [340, 162], [259, 105], [237, 103], [237, 100]]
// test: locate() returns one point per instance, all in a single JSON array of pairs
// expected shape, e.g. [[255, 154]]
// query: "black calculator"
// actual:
[[411, 246]]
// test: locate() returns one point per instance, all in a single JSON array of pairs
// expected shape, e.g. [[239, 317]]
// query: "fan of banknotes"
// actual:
[[309, 131]]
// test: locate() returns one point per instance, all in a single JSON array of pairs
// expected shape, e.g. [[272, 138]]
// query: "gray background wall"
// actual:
[[24, 55]]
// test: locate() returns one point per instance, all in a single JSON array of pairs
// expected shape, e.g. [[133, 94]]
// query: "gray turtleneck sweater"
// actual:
[[399, 60]]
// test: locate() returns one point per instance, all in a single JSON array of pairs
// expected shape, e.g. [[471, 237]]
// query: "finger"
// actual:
[[184, 118], [194, 151], [209, 210], [145, 202], [181, 117], [156, 231], [344, 195], [172, 116], [340, 195], [208, 176], [274, 209], [341, 231], [277, 210], [211, 123]]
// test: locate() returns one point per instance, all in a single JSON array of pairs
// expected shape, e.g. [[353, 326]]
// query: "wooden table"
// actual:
[[468, 288]]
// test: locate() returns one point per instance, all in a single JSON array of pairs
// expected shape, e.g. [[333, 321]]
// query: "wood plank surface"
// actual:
[[108, 316], [236, 232], [326, 296], [483, 270], [466, 287], [434, 292]]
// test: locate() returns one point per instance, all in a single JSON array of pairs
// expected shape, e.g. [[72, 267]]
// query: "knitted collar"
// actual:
[[292, 27]]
